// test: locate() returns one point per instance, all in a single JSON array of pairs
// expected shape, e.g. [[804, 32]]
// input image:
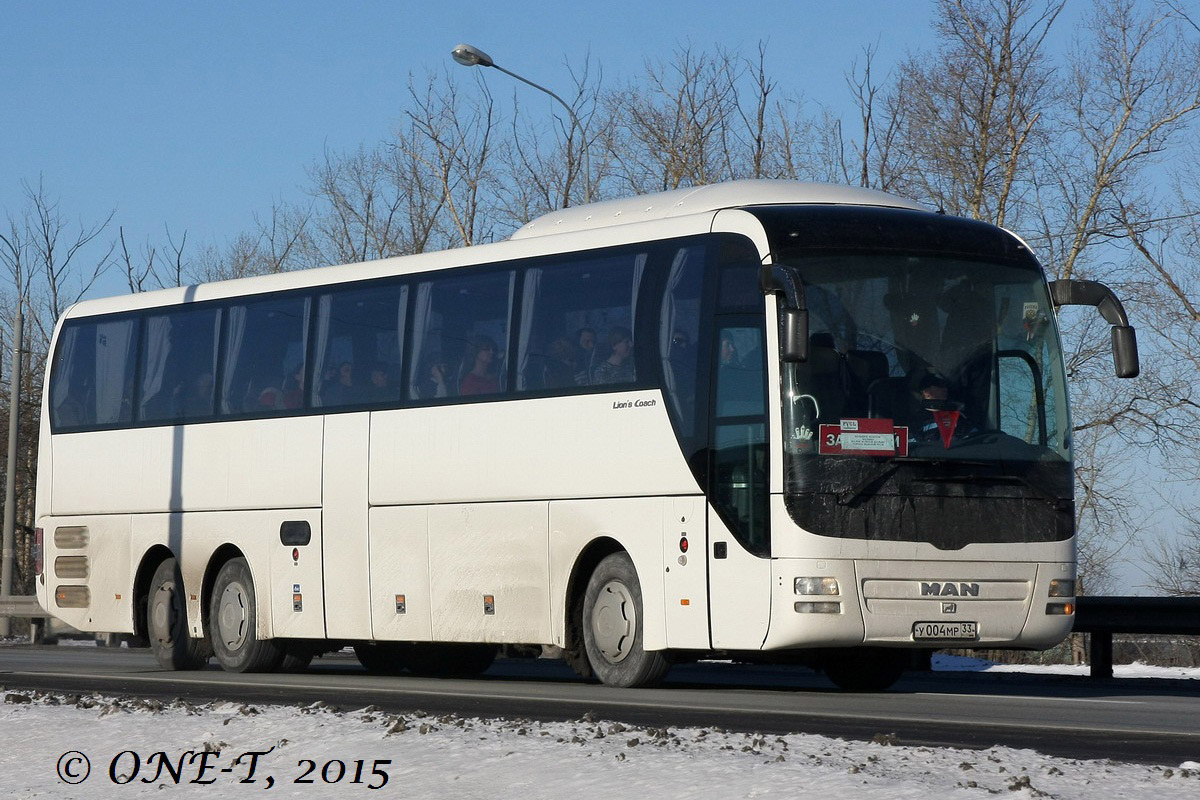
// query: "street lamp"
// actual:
[[470, 56]]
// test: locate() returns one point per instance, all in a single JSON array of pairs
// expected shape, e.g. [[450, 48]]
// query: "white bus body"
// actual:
[[481, 520]]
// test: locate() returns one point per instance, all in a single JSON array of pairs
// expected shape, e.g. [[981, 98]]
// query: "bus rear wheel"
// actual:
[[613, 625], [233, 619], [166, 622]]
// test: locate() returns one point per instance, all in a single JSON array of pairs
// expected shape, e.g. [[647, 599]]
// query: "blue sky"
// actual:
[[199, 115]]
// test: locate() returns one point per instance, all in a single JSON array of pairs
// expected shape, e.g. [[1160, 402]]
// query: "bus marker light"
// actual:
[[295, 555], [683, 601], [683, 544], [399, 604], [1060, 609], [297, 602], [489, 604], [818, 608]]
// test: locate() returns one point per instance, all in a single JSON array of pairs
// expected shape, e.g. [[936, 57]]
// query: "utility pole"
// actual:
[[10, 476]]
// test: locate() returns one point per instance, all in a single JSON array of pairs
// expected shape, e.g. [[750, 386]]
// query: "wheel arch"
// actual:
[[585, 564], [141, 589], [220, 557]]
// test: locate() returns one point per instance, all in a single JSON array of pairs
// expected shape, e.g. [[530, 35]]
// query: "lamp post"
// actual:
[[470, 56]]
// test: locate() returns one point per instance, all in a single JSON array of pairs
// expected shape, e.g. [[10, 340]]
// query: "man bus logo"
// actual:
[[935, 589]]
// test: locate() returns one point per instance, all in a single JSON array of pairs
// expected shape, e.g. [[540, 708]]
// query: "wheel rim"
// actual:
[[233, 616], [164, 614], [614, 621]]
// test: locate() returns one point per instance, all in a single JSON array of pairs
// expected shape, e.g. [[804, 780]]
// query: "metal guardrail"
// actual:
[[21, 606], [1103, 616]]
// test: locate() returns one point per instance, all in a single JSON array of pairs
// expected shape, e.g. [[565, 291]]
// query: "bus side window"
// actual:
[[178, 365], [264, 342], [460, 335], [573, 319]]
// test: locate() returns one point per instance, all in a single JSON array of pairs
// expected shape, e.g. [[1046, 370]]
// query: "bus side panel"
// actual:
[[636, 524], [685, 575], [488, 573], [346, 554], [399, 555], [109, 573], [270, 463], [599, 445]]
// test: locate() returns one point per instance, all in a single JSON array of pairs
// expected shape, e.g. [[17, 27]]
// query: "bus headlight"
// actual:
[[1062, 588], [817, 586]]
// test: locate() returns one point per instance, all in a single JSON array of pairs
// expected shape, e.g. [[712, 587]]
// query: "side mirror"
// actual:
[[1125, 352], [1093, 293], [793, 334]]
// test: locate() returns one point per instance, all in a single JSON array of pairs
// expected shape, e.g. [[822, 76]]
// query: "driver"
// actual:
[[944, 414]]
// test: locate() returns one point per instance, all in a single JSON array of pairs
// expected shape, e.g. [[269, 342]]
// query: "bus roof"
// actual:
[[699, 199], [589, 224]]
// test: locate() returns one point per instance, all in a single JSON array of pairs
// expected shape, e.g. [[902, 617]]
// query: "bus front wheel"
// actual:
[[613, 625], [233, 616], [166, 622]]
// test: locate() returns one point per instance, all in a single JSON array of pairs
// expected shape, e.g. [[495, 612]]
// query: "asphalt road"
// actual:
[[1151, 721]]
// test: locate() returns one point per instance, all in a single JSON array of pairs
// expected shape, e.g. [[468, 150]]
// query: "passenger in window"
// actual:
[[379, 389], [341, 390], [293, 388], [585, 355], [195, 400], [432, 383], [559, 369], [480, 380], [618, 367]]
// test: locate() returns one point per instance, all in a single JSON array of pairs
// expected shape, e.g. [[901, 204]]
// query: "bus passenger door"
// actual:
[[739, 533]]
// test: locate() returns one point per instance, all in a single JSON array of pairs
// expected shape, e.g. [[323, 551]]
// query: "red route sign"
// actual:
[[863, 437]]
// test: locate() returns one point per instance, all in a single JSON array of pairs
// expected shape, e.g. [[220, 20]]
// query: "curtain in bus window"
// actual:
[[114, 342], [235, 334], [321, 346], [527, 377], [67, 392], [154, 362], [427, 377], [679, 330], [639, 268]]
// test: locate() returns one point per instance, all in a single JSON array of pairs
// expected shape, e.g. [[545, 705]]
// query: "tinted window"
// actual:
[[358, 346], [264, 355], [679, 333], [93, 374], [577, 323], [178, 363], [460, 336]]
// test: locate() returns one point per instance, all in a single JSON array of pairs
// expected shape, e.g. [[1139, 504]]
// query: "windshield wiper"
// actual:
[[889, 467]]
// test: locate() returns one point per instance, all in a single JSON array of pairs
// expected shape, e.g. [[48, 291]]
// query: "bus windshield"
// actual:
[[924, 358]]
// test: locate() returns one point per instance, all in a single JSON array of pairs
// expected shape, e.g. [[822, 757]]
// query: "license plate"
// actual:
[[946, 630]]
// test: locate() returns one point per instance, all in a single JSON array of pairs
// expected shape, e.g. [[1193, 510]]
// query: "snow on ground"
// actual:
[[449, 756], [948, 663]]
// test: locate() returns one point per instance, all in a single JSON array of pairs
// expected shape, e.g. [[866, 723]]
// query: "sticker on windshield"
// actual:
[[863, 437]]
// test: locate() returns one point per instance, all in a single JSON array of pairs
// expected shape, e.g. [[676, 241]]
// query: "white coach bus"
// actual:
[[767, 419]]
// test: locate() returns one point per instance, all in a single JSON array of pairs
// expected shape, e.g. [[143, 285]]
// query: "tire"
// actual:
[[612, 627], [297, 655], [449, 660], [865, 669], [166, 622], [233, 617], [381, 658]]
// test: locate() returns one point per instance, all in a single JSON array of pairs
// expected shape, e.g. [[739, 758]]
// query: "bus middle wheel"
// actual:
[[233, 617]]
